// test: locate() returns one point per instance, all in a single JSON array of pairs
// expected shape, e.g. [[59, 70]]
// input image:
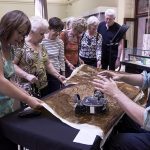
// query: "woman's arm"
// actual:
[[51, 70], [61, 57], [12, 91], [22, 74]]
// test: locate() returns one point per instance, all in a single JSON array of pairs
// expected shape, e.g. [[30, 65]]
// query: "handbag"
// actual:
[[31, 89]]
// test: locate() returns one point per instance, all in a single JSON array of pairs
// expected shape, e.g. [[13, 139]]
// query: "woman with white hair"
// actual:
[[32, 60], [111, 52], [90, 44]]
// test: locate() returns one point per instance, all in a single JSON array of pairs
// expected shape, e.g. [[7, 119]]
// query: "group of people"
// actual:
[[39, 55]]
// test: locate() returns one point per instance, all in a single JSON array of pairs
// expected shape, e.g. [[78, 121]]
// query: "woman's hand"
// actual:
[[31, 78], [99, 64], [61, 78], [117, 63], [105, 85], [72, 67], [34, 102], [81, 61]]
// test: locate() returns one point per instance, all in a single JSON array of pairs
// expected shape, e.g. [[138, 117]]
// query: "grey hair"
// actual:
[[79, 23], [92, 20], [38, 22], [69, 22], [110, 12]]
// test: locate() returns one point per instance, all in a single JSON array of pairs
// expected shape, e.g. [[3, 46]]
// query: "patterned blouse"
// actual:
[[90, 46], [71, 43], [33, 62], [6, 103]]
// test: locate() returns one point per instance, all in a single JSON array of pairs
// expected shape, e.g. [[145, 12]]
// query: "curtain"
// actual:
[[41, 8]]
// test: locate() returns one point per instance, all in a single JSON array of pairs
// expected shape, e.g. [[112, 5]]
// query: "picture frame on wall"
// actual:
[[142, 6]]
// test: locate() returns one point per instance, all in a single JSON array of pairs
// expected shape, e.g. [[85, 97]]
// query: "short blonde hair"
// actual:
[[79, 23], [92, 20], [38, 22]]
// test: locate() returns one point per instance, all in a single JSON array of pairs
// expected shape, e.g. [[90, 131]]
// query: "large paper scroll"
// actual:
[[62, 105]]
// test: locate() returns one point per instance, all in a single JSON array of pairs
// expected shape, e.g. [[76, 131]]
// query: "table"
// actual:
[[44, 132], [134, 68]]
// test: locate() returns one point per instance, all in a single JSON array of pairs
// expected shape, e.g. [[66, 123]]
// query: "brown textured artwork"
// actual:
[[62, 102]]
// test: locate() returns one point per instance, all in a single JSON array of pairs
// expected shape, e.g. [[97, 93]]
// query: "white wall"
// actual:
[[57, 10], [80, 7], [124, 8], [25, 6]]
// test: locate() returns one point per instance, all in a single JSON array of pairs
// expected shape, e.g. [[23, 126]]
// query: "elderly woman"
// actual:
[[71, 40], [55, 48], [31, 61], [69, 23], [90, 44]]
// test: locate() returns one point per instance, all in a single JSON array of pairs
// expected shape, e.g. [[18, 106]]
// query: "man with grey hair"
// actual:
[[111, 52]]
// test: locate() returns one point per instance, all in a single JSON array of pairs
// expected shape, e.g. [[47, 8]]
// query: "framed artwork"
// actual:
[[142, 6]]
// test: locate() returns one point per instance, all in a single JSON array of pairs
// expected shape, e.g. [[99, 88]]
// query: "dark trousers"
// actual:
[[68, 71], [109, 59], [130, 136], [53, 84], [6, 144], [90, 61]]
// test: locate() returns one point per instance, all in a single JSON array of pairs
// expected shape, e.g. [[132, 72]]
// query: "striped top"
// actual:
[[55, 49]]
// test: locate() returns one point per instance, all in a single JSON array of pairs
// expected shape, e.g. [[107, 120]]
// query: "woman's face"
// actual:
[[18, 35], [78, 31], [38, 35], [93, 28], [53, 33]]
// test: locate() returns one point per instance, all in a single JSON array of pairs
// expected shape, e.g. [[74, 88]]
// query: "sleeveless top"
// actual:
[[6, 103]]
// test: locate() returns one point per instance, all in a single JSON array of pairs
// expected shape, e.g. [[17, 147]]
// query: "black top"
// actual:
[[108, 34]]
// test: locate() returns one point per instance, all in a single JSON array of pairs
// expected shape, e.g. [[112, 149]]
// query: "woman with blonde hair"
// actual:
[[71, 40]]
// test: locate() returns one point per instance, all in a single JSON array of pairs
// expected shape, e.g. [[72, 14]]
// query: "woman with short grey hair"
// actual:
[[90, 44], [38, 23]]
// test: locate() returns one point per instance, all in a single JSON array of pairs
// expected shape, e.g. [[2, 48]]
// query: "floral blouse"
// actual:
[[33, 62], [90, 46]]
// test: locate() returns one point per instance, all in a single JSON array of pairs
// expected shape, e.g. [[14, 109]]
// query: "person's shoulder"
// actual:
[[102, 23], [59, 40], [117, 25]]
